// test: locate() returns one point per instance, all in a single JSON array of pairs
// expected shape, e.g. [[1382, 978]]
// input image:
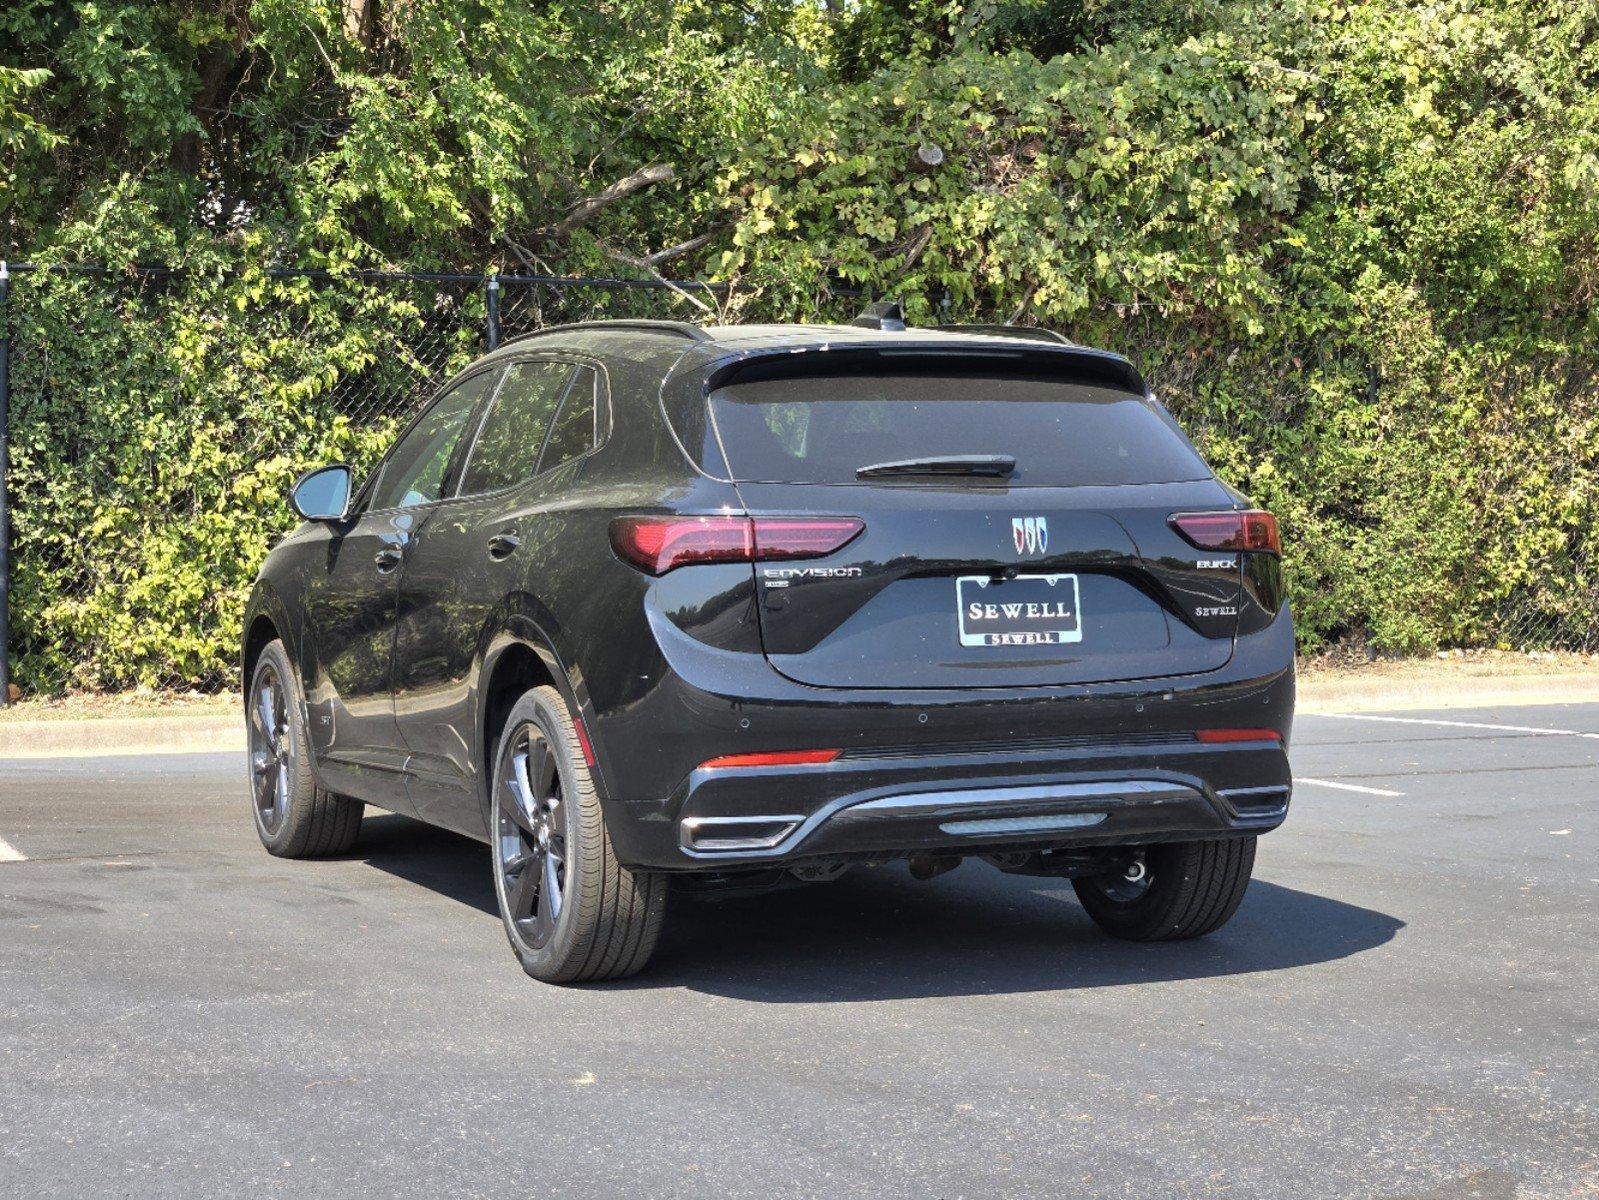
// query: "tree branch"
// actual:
[[698, 242], [916, 247], [588, 208], [644, 264]]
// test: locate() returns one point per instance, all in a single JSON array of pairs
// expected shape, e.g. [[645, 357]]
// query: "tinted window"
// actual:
[[414, 472], [574, 429], [508, 444], [819, 430]]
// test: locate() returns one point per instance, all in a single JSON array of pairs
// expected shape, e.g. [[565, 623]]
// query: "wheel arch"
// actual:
[[519, 656], [265, 620]]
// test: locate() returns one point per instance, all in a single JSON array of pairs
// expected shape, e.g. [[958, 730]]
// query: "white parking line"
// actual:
[[1347, 787], [1463, 725], [9, 853]]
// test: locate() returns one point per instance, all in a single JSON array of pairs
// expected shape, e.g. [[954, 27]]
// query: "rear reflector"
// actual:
[[656, 545], [1238, 735], [583, 740], [1252, 529], [773, 758]]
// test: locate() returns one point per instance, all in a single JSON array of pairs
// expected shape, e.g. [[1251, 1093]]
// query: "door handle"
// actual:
[[387, 559], [503, 544]]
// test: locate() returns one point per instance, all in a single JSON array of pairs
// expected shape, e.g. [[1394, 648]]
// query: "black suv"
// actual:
[[641, 603]]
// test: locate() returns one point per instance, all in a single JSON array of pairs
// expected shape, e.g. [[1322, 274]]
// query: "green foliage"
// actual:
[[153, 448], [1356, 247]]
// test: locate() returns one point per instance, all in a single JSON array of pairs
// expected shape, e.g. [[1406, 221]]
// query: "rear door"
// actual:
[[465, 560], [1060, 569]]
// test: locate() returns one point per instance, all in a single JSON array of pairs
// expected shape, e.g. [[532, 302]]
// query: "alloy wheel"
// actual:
[[271, 750], [530, 842]]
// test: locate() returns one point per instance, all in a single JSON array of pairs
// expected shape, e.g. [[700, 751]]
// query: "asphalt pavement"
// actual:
[[1407, 1005]]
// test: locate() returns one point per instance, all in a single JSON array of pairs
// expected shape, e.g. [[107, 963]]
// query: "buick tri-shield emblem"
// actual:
[[1031, 534]]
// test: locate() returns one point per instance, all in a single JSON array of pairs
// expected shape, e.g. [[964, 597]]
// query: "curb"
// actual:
[[101, 737], [1436, 690]]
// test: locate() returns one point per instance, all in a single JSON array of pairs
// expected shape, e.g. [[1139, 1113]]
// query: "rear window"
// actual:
[[821, 429]]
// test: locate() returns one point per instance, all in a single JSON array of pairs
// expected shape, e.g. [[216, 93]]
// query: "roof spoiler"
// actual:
[[1088, 365], [1032, 333]]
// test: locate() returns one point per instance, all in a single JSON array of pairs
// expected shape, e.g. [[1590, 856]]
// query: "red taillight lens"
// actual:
[[656, 545], [1238, 735], [1253, 529], [803, 537], [773, 758]]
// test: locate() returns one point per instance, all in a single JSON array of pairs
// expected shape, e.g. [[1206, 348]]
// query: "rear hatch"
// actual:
[[972, 572]]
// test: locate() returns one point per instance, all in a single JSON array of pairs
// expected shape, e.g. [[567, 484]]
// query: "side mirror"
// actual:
[[322, 494]]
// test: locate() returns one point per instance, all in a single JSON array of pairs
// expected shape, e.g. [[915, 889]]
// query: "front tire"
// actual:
[[1185, 890], [294, 817], [572, 913]]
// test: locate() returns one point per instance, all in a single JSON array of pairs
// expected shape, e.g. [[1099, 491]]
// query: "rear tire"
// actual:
[[572, 913], [294, 817], [1193, 888]]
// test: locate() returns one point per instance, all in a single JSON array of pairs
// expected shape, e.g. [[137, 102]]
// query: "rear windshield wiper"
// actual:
[[993, 465]]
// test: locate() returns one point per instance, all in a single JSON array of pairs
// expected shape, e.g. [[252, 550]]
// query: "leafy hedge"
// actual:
[[1354, 247], [156, 429]]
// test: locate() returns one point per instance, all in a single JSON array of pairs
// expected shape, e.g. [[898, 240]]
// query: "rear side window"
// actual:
[[821, 429], [508, 443], [574, 431]]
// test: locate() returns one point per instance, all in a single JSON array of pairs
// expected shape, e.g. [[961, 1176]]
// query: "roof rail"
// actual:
[[1031, 333], [670, 328]]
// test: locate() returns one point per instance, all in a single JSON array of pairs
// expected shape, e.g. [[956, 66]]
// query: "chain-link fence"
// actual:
[[157, 419]]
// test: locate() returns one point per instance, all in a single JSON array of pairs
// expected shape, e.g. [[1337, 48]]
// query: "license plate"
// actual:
[[1029, 610]]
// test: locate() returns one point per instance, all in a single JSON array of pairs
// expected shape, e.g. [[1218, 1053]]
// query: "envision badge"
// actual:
[[1031, 534]]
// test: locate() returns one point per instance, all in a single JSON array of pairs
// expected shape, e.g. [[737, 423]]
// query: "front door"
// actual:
[[350, 605], [352, 602]]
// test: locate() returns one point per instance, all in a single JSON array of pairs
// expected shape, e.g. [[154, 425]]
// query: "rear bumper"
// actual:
[[1105, 764], [965, 802]]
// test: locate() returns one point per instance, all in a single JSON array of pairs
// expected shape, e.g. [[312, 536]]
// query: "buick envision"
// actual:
[[640, 603]]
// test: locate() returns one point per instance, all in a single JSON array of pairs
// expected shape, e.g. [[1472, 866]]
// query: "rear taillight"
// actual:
[[1238, 735], [656, 545], [1252, 529]]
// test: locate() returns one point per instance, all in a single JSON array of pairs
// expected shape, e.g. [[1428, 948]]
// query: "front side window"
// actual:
[[508, 443], [414, 473]]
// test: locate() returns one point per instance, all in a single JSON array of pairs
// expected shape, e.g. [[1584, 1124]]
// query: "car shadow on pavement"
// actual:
[[438, 860], [877, 934]]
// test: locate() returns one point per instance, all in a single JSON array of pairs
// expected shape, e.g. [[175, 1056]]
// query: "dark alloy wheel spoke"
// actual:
[[523, 890], [522, 861], [522, 808], [541, 770]]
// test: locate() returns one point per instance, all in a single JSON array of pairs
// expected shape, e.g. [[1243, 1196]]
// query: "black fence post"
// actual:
[[494, 311], [5, 448]]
